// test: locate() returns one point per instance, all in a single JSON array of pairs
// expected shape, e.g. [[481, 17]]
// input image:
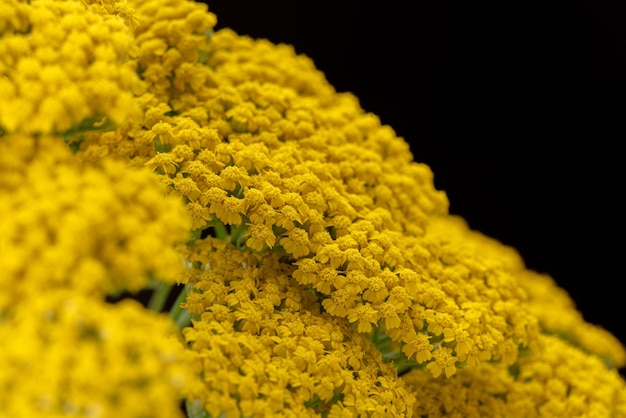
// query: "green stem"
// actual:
[[184, 319], [195, 409], [159, 297], [236, 235], [177, 312], [220, 229], [153, 283], [404, 366]]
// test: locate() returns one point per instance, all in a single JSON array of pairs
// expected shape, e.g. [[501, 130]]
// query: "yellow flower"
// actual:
[[559, 380], [331, 230], [419, 344], [99, 229], [260, 236], [282, 158], [65, 67], [462, 340], [365, 315], [66, 354], [339, 302], [229, 210], [296, 242], [443, 361], [199, 214], [302, 359]]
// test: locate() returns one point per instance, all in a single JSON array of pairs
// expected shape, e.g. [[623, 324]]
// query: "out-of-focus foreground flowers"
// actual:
[[317, 270]]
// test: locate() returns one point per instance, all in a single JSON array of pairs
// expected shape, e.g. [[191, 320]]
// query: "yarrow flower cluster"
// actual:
[[64, 63], [562, 382], [320, 272], [92, 228], [64, 354], [71, 235]]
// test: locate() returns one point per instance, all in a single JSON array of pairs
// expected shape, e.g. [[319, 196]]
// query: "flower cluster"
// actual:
[[322, 273], [267, 149], [94, 229], [64, 65], [557, 315], [68, 355], [264, 348], [76, 234], [71, 235], [562, 382]]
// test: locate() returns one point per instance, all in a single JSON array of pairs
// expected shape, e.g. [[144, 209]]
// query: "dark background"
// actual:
[[518, 107]]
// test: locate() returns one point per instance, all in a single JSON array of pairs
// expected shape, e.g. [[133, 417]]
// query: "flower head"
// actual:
[[65, 66], [66, 354], [94, 228]]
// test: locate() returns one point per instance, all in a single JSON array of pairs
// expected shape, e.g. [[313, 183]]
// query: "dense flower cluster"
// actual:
[[63, 65], [71, 235], [562, 382], [265, 348], [269, 150], [66, 355], [323, 275], [557, 315], [92, 228]]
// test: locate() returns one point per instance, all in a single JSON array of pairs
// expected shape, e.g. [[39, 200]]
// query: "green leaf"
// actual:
[[98, 123], [159, 297]]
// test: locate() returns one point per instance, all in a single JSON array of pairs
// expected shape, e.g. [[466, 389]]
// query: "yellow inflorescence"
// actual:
[[557, 315], [318, 253], [264, 348], [562, 382], [64, 64], [95, 229], [272, 149], [65, 355], [72, 234]]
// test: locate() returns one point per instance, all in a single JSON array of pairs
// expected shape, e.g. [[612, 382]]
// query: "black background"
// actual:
[[518, 107]]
